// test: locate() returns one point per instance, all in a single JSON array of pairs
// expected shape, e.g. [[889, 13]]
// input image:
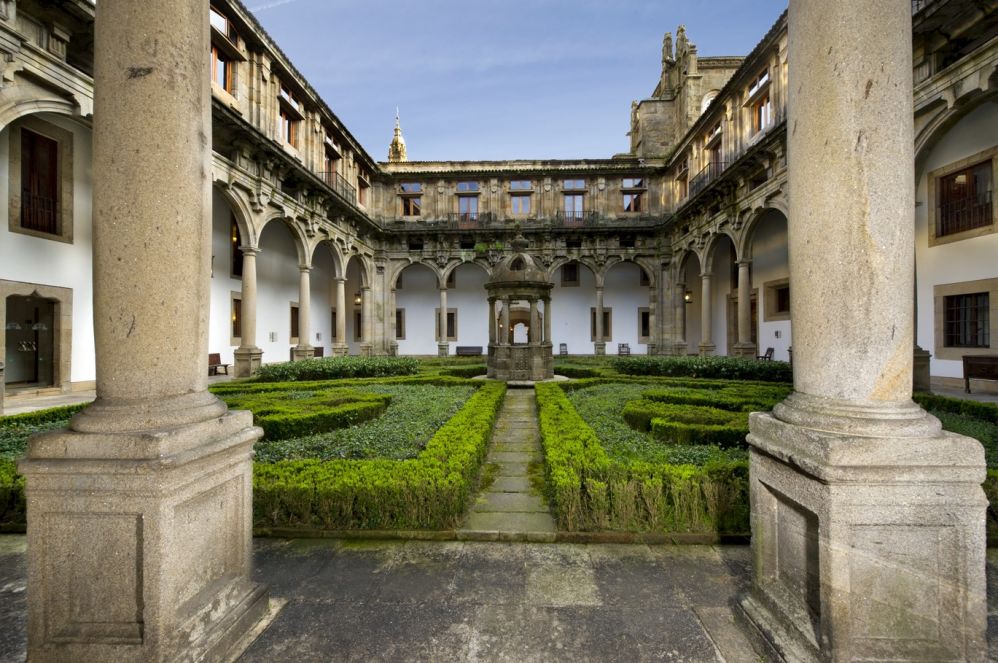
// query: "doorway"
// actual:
[[29, 335]]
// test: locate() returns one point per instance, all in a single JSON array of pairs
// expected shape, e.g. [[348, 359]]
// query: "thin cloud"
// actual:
[[271, 5]]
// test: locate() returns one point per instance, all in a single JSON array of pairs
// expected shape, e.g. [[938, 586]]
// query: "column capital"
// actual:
[[250, 250], [304, 268], [706, 275], [744, 262], [340, 279], [365, 288]]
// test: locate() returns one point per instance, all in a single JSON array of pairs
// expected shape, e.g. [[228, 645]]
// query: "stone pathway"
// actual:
[[510, 508]]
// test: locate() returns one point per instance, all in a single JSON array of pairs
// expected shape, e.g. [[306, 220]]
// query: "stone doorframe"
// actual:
[[63, 320]]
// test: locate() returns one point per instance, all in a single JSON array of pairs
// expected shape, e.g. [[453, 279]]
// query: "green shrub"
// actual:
[[334, 368], [465, 371], [933, 403], [575, 372], [592, 492], [429, 491], [294, 413], [728, 368], [12, 503], [16, 428]]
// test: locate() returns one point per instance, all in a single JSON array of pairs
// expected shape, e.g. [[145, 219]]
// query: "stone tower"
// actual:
[[396, 151]]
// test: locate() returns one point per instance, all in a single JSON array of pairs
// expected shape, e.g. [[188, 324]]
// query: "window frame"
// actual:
[[771, 312], [933, 184], [567, 282], [520, 198], [607, 325], [294, 329], [939, 294], [642, 313], [235, 318], [451, 318], [399, 324], [64, 179]]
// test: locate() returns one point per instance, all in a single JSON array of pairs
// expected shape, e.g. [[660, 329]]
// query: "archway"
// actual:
[[573, 307], [417, 300], [322, 284], [278, 280], [627, 307], [692, 296], [767, 248], [724, 294], [358, 302]]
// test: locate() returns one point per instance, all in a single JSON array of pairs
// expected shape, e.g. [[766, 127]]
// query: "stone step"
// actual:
[[512, 469], [519, 484], [510, 522], [511, 457], [509, 502]]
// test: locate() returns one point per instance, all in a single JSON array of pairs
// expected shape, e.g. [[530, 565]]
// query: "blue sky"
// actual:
[[532, 79]]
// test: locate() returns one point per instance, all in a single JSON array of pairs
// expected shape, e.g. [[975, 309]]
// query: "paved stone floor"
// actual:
[[508, 503], [452, 601]]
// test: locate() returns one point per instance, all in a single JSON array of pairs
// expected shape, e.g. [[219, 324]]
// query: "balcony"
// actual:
[[561, 220], [710, 173], [339, 184], [575, 219], [39, 213], [962, 214]]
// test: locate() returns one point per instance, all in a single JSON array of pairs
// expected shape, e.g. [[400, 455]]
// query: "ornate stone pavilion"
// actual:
[[517, 291]]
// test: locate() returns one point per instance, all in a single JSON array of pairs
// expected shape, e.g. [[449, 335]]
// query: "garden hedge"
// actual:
[[726, 368], [591, 492], [287, 414], [430, 491], [334, 368]]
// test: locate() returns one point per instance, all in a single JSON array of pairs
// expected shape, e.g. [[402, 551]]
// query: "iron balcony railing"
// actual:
[[39, 213], [710, 173], [339, 184], [956, 216], [492, 221], [575, 218], [469, 220]]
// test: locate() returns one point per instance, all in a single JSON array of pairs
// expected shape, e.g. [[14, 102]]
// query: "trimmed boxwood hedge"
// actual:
[[430, 491], [726, 368], [589, 491], [334, 368], [286, 414]]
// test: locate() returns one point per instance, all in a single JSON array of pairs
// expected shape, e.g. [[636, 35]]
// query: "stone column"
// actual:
[[340, 348], [745, 347], [682, 348], [443, 346], [139, 539], [599, 345], [534, 333], [492, 322], [304, 348], [867, 519], [365, 321], [504, 323], [652, 344], [707, 346], [547, 320], [248, 356]]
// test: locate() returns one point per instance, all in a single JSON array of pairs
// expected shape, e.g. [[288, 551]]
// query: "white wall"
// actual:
[[471, 300], [570, 312], [277, 287], [420, 297], [323, 300], [48, 262], [222, 283], [770, 262], [623, 292], [965, 260], [693, 285], [721, 286], [353, 286]]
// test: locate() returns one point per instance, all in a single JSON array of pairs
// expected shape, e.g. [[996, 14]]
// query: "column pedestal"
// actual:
[[921, 379], [246, 362]]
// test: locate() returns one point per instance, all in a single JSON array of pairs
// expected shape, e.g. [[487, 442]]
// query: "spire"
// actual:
[[396, 151]]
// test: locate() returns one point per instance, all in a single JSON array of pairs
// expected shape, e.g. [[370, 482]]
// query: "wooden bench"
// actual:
[[215, 363], [624, 349], [979, 367], [767, 355], [468, 350], [563, 348]]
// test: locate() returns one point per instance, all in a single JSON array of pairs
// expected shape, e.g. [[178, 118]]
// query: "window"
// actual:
[[777, 296], [573, 243], [633, 183], [39, 183], [294, 323], [762, 113], [760, 82], [451, 323], [236, 241], [966, 320], [607, 320], [221, 23], [412, 201], [330, 160], [467, 207], [573, 206], [221, 69], [520, 204], [570, 274], [632, 202], [415, 244], [965, 200], [237, 320], [411, 187], [467, 244], [683, 180], [467, 187], [521, 185], [290, 116], [644, 325], [626, 241], [332, 322], [363, 186], [713, 134], [358, 326], [573, 184], [400, 324]]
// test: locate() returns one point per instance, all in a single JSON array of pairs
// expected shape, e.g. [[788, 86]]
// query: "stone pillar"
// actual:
[[745, 347], [652, 344], [492, 322], [443, 346], [505, 335], [140, 529], [547, 320], [248, 356], [599, 345], [340, 348], [534, 333], [707, 346], [867, 519], [304, 348], [682, 348], [365, 322]]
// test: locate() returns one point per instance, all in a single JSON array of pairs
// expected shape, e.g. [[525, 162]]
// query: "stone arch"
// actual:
[[648, 271], [432, 266], [18, 103], [240, 211], [446, 272], [364, 266], [743, 246], [929, 135], [297, 233], [334, 252], [681, 261], [559, 262], [717, 239]]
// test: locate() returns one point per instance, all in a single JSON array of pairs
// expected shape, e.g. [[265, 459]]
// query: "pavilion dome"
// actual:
[[519, 268]]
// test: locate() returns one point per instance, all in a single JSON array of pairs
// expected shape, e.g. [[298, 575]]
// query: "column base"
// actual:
[[867, 547], [750, 350], [599, 348], [393, 349], [920, 371], [680, 348], [302, 352], [652, 348], [246, 362], [707, 349], [366, 350], [340, 350], [143, 543], [443, 349]]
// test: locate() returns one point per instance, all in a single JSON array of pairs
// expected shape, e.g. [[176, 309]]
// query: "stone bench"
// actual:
[[979, 367], [468, 350]]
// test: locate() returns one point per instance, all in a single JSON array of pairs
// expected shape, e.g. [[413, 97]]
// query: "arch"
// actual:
[[445, 274], [743, 248], [615, 262], [240, 211], [300, 240], [558, 263], [717, 239], [440, 276], [363, 265], [20, 103], [338, 267], [681, 264], [937, 128]]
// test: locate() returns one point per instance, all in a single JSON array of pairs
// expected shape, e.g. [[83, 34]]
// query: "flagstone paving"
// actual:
[[510, 507]]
